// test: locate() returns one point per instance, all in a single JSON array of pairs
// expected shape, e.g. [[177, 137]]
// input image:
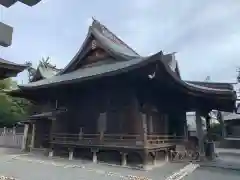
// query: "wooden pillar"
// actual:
[[33, 135], [135, 116], [102, 125], [25, 135], [221, 121], [80, 134], [166, 124], [144, 129], [150, 124], [199, 127], [208, 118]]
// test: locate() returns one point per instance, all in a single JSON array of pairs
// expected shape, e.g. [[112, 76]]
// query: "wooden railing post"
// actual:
[[101, 136], [80, 134], [144, 129]]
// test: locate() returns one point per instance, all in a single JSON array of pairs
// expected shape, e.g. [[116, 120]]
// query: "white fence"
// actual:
[[10, 138]]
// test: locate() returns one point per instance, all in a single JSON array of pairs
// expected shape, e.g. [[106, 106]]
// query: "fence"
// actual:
[[11, 138]]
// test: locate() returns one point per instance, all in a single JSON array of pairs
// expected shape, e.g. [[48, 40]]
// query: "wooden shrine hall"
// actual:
[[111, 102]]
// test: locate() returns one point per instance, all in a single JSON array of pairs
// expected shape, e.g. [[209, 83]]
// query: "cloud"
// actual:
[[205, 34]]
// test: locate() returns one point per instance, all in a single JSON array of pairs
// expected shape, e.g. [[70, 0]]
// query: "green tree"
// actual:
[[12, 109]]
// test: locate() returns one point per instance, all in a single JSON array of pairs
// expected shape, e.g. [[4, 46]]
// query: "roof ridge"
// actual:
[[103, 28]]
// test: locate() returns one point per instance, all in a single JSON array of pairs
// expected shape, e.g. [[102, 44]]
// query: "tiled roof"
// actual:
[[108, 41], [123, 59], [86, 73]]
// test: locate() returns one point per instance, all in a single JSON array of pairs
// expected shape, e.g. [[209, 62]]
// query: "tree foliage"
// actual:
[[12, 109]]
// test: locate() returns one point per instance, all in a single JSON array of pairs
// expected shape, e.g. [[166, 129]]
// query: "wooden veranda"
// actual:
[[117, 141]]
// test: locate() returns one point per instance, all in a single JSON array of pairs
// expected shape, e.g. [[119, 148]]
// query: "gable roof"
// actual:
[[107, 41], [44, 70], [88, 73]]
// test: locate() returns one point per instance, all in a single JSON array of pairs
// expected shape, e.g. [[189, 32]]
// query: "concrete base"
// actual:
[[94, 158], [70, 155], [124, 160], [50, 154]]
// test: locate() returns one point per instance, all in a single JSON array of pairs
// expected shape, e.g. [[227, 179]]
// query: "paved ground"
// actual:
[[213, 174], [228, 151], [27, 167]]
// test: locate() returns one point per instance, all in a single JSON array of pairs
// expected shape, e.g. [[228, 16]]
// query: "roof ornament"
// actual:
[[110, 35], [151, 76]]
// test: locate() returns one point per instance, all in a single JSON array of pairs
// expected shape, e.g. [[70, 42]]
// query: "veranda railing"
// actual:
[[114, 139]]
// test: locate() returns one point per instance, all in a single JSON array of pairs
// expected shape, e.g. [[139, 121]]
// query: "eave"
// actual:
[[10, 69], [123, 67]]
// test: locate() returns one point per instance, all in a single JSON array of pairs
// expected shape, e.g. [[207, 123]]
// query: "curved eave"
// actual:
[[93, 72], [21, 94], [14, 92], [11, 65], [7, 72], [196, 89], [121, 67], [214, 85]]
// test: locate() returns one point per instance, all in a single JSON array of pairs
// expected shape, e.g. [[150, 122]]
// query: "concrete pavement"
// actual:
[[27, 167], [204, 173], [227, 159], [227, 151], [30, 167]]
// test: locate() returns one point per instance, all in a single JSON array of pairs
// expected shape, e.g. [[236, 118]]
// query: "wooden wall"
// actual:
[[121, 106]]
